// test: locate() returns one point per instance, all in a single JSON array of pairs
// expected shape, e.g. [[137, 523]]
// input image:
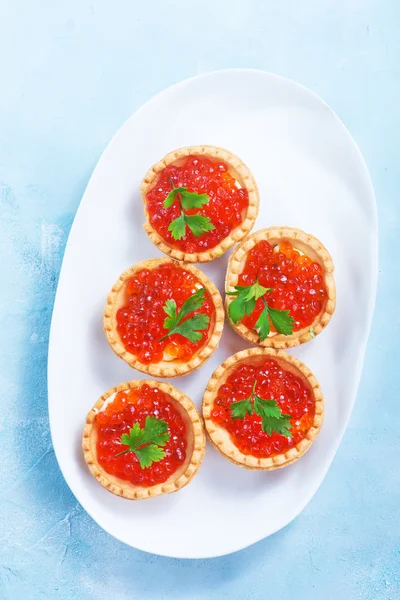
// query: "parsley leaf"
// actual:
[[188, 200], [237, 308], [191, 327], [245, 302], [170, 199], [241, 408], [266, 408], [155, 432], [149, 454], [263, 325], [238, 288], [135, 434], [281, 320], [177, 227], [272, 419], [146, 443], [279, 425], [194, 302], [256, 291], [193, 199], [170, 309], [198, 224]]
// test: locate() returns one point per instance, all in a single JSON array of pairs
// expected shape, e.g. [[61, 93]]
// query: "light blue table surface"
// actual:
[[70, 74]]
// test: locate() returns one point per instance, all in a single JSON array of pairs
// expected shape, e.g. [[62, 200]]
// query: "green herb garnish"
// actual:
[[312, 332], [146, 443], [191, 327], [272, 419], [245, 302], [198, 224]]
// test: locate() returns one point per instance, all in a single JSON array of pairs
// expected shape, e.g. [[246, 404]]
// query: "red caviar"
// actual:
[[226, 208], [290, 391], [130, 407], [140, 322], [297, 281]]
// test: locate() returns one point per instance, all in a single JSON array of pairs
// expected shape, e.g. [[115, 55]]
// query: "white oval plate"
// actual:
[[311, 175]]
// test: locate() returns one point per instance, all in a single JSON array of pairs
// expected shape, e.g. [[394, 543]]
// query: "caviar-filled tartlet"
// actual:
[[280, 289], [163, 317], [198, 202], [262, 409], [143, 439]]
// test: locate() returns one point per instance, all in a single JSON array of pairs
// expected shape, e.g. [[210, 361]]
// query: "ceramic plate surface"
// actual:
[[311, 175]]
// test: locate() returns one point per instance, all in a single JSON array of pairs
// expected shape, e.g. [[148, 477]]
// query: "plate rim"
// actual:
[[358, 367]]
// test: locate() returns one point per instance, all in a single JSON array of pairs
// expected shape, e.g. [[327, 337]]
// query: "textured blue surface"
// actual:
[[70, 74]]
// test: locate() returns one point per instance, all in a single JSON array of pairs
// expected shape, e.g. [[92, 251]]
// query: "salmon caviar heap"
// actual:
[[226, 208], [128, 408], [270, 381], [296, 280], [140, 321]]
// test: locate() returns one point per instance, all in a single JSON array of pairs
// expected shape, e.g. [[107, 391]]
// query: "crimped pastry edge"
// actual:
[[244, 176], [163, 368], [178, 480], [220, 438], [311, 245]]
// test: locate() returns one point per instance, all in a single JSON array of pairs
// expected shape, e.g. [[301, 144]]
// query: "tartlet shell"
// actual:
[[237, 168], [221, 439], [178, 479], [164, 368], [311, 246]]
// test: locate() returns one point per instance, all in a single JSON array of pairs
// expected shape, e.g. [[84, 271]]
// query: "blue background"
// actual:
[[70, 74]]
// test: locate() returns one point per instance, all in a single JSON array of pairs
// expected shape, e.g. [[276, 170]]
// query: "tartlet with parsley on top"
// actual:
[[262, 409], [143, 439], [163, 317], [199, 201], [280, 288]]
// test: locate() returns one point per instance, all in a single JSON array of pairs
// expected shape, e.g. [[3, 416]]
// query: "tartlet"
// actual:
[[297, 270], [249, 441], [130, 405], [136, 310], [231, 208]]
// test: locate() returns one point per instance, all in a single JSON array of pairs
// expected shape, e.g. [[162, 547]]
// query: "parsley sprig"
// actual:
[[245, 302], [191, 327], [198, 224], [272, 418], [146, 443]]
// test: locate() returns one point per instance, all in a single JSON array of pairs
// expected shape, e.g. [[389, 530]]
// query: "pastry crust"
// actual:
[[181, 477], [220, 437], [310, 246], [242, 174], [174, 368]]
